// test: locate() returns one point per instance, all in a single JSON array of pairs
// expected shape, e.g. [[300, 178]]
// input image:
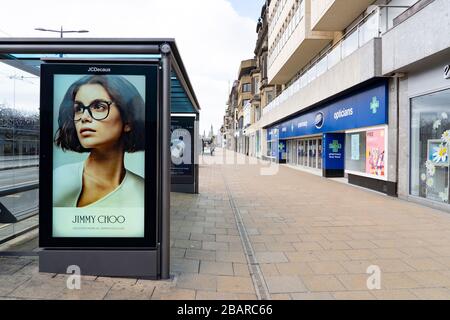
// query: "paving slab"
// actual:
[[285, 284], [235, 284], [137, 291], [305, 241], [217, 268]]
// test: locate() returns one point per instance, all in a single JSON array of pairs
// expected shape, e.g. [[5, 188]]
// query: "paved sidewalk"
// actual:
[[292, 235]]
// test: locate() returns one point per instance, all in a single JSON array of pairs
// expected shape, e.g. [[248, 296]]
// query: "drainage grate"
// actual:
[[262, 292]]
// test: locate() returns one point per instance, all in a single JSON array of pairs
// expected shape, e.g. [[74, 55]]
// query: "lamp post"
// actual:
[[61, 32], [15, 77]]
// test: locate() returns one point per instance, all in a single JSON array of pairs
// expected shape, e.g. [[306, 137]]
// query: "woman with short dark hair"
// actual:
[[105, 116]]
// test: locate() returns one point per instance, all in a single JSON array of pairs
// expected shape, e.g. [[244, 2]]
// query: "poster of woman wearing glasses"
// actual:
[[98, 155]]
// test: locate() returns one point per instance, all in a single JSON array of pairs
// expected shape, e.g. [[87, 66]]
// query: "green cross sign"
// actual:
[[280, 147], [374, 105], [335, 146]]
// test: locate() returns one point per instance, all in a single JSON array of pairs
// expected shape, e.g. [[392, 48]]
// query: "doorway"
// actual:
[[306, 152]]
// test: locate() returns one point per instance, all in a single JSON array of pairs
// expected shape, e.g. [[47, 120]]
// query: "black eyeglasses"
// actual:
[[97, 109]]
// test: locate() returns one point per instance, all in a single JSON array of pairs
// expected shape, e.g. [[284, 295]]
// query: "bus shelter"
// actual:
[[118, 131]]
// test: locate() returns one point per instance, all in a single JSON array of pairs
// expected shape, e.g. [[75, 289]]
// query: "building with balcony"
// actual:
[[231, 118], [336, 114], [246, 74], [416, 55], [262, 92], [252, 114]]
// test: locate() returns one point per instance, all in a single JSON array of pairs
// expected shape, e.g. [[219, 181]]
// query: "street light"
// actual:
[[61, 32], [15, 77]]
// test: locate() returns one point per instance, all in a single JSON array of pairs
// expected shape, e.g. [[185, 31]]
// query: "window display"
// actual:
[[375, 152], [365, 152], [355, 153], [430, 140]]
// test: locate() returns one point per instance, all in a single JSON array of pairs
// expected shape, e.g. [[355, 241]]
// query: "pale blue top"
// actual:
[[68, 183]]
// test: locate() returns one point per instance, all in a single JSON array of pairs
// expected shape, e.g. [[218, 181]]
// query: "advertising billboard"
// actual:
[[99, 145], [375, 152], [182, 149]]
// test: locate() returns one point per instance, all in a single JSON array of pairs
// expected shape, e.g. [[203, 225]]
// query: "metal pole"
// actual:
[[197, 147], [165, 163], [14, 92], [61, 54], [79, 48]]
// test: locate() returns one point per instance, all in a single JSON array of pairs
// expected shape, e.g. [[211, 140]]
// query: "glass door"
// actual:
[[294, 152], [305, 153], [290, 152], [299, 152], [308, 151], [319, 153], [312, 155], [288, 145]]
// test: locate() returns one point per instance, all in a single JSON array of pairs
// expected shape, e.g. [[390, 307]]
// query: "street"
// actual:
[[16, 177], [21, 204], [12, 162], [292, 235]]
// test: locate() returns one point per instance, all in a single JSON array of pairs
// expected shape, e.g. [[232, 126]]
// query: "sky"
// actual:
[[213, 36], [248, 8]]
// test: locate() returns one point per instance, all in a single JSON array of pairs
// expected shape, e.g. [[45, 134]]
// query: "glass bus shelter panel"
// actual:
[[19, 146]]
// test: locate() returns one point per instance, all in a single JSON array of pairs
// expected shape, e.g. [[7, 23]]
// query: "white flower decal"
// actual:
[[431, 168], [437, 124], [432, 171], [423, 177], [444, 115], [445, 138], [440, 154], [430, 182]]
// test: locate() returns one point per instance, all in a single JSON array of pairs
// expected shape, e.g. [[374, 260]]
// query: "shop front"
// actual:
[[429, 137], [430, 141], [347, 137]]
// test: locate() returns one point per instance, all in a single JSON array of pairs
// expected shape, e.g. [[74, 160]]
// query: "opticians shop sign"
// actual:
[[364, 109]]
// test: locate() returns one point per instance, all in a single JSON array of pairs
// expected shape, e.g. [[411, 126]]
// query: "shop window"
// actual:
[[365, 152], [355, 151], [430, 141], [258, 141]]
